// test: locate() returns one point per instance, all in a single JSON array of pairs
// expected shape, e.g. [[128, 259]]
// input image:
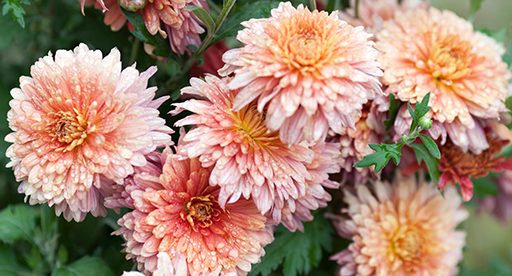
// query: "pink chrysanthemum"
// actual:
[[373, 13], [401, 229], [169, 18], [166, 267], [314, 70], [436, 51], [249, 160], [501, 204], [369, 129], [78, 121], [179, 212], [324, 163]]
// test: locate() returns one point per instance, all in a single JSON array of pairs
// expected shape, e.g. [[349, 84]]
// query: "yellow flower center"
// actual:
[[201, 211], [68, 128], [449, 59], [251, 124], [409, 246], [305, 41]]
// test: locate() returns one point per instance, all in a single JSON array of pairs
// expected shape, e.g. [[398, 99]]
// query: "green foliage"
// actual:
[[162, 48], [432, 163], [474, 6], [231, 26], [431, 145], [380, 158], [87, 266], [17, 222], [8, 264], [16, 9], [204, 16], [298, 252], [484, 186], [394, 106]]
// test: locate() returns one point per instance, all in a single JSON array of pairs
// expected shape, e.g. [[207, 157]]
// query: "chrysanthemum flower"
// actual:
[[180, 212], [166, 267], [249, 160], [457, 166], [325, 163], [369, 129], [314, 71], [79, 121], [436, 51], [401, 229], [169, 18], [373, 13]]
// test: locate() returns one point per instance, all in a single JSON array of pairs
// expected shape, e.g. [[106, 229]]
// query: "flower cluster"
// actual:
[[272, 137]]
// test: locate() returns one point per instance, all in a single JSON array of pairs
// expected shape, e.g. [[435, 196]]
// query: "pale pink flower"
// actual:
[[436, 51], [169, 18], [80, 122], [295, 212], [249, 160], [373, 13], [313, 70], [401, 229], [179, 213], [369, 129], [166, 267]]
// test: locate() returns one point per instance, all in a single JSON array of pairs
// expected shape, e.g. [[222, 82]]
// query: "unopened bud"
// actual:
[[425, 122], [132, 5]]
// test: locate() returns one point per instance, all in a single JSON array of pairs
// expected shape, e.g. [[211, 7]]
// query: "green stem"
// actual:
[[135, 50], [312, 5], [356, 9], [213, 6]]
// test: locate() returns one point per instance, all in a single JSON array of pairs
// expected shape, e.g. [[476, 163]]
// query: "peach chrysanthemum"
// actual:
[[369, 129], [166, 267], [314, 71], [436, 51], [401, 229], [373, 13], [248, 159], [80, 121], [179, 212], [169, 18]]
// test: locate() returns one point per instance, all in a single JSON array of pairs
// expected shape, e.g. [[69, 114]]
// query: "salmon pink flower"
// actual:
[[401, 229], [249, 160], [80, 122], [179, 213], [435, 51], [313, 70]]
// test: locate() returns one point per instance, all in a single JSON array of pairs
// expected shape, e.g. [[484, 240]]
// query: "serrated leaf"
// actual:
[[17, 222], [431, 145], [204, 16], [16, 9], [301, 252], [231, 26], [161, 46], [86, 266], [394, 106], [422, 153], [8, 264], [422, 107], [380, 158]]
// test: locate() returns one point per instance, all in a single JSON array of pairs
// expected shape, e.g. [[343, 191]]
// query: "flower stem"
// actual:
[[312, 5], [356, 9]]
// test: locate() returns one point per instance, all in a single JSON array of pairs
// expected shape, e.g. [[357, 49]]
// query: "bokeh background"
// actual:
[[58, 24]]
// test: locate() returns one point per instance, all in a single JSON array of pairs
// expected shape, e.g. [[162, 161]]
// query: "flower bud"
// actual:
[[425, 122], [132, 5]]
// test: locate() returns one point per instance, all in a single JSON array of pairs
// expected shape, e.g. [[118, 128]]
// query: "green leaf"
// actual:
[[431, 145], [414, 118], [422, 107], [87, 266], [231, 26], [16, 9], [204, 16], [8, 264], [301, 252], [381, 156], [17, 222], [484, 186], [161, 45], [422, 153], [394, 106], [474, 6]]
